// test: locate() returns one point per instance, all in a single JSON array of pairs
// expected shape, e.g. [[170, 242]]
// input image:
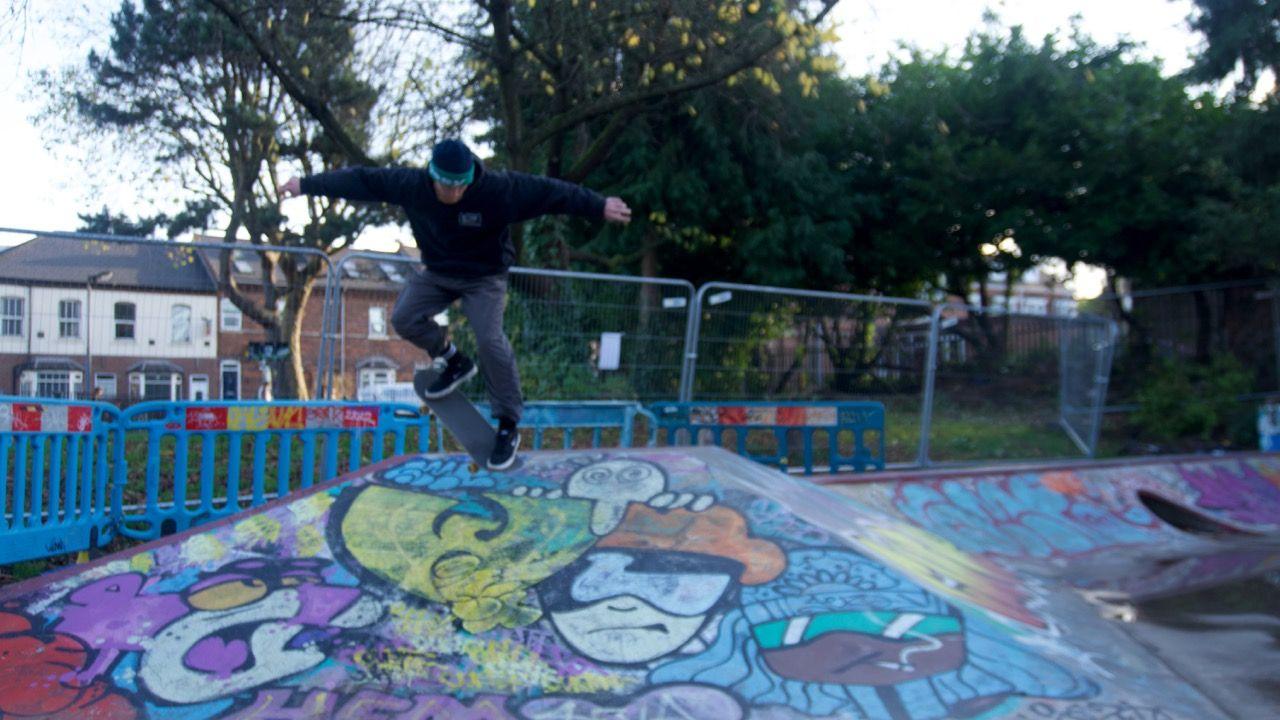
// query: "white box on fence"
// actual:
[[401, 392], [610, 350], [1269, 427]]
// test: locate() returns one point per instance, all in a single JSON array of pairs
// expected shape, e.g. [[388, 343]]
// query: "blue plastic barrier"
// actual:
[[53, 476], [576, 417], [307, 442], [707, 423]]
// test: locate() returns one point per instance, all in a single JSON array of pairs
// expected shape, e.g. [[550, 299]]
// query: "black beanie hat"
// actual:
[[452, 163]]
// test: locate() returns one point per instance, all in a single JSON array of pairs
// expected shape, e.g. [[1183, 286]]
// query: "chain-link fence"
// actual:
[[578, 336], [125, 319]]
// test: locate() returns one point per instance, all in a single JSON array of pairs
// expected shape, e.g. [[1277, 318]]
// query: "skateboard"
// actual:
[[462, 419]]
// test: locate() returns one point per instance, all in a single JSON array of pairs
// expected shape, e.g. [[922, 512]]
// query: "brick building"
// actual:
[[138, 319], [366, 352]]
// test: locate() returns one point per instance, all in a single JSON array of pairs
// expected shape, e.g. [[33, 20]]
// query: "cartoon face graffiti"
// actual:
[[252, 622], [613, 484], [649, 587], [632, 607]]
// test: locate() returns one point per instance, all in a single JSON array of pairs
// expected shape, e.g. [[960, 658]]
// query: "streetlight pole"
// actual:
[[88, 337]]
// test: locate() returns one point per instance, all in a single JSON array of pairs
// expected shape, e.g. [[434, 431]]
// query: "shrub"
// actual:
[[1186, 401]]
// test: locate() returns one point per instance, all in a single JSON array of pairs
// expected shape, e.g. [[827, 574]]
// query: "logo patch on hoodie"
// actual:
[[470, 219]]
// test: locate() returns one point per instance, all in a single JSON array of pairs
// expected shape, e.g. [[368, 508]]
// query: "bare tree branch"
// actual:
[[317, 108]]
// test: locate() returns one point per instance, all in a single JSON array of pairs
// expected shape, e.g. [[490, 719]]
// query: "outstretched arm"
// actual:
[[393, 185], [532, 196]]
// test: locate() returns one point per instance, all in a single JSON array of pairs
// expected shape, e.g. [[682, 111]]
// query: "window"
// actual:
[[232, 318], [54, 384], [230, 371], [154, 386], [69, 318], [377, 322], [11, 316], [180, 325], [126, 317], [107, 383], [373, 377]]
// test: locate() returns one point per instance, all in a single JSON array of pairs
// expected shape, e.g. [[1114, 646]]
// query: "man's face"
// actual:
[[449, 194]]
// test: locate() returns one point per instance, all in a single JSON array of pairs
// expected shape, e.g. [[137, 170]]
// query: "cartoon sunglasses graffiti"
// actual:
[[632, 607]]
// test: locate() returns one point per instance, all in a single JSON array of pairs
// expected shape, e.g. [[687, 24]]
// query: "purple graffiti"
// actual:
[[114, 616], [1245, 496]]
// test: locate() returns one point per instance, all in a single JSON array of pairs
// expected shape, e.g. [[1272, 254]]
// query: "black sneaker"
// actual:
[[505, 443], [449, 374]]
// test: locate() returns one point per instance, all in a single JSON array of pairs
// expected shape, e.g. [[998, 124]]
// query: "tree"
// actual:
[[181, 83], [559, 83], [1240, 35]]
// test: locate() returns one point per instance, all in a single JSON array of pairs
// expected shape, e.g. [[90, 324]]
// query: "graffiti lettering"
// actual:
[[674, 702], [287, 704]]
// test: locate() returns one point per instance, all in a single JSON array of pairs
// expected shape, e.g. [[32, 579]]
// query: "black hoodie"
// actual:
[[471, 238]]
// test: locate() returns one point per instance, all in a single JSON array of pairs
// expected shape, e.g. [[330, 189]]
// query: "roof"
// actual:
[[69, 261], [357, 273]]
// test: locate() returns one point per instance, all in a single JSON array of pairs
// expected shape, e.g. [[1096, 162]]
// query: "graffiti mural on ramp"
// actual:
[[632, 584]]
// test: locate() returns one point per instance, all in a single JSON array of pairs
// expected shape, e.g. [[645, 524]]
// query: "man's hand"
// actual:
[[290, 188], [616, 210]]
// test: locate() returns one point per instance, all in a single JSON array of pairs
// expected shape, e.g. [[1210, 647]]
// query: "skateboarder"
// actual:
[[460, 214]]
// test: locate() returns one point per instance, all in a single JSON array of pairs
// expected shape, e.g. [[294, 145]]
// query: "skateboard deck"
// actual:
[[460, 417]]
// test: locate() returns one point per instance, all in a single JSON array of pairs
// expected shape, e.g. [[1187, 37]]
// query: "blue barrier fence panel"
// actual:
[[248, 452], [53, 476], [574, 419], [850, 434]]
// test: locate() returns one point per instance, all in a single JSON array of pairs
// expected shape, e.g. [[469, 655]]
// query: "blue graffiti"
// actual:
[[446, 475], [838, 632], [1020, 517], [771, 519]]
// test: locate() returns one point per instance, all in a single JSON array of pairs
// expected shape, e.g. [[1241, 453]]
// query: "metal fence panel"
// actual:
[[1086, 344], [577, 336], [1194, 323], [1006, 385], [54, 458], [763, 343]]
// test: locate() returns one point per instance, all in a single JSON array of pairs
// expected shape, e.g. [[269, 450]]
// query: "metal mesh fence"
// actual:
[[1005, 381], [125, 320], [577, 336], [1194, 324], [1086, 347], [759, 343]]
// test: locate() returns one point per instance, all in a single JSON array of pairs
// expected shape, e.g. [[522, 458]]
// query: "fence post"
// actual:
[[693, 328], [1064, 337], [930, 372], [1275, 328], [1102, 379]]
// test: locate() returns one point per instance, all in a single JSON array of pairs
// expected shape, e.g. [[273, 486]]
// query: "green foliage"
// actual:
[[1186, 401], [1240, 35]]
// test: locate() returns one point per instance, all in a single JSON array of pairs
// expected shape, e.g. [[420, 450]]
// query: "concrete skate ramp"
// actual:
[[1119, 530], [635, 584]]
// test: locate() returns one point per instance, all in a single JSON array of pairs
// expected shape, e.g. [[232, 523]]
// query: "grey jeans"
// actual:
[[483, 303]]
